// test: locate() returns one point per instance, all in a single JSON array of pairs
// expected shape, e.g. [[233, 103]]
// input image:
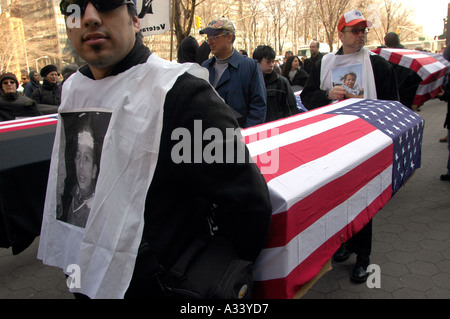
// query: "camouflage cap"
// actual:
[[218, 25]]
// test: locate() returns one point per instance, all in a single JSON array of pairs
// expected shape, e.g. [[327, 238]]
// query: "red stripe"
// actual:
[[287, 225], [317, 146], [28, 126], [286, 128], [419, 63], [434, 77], [287, 287]]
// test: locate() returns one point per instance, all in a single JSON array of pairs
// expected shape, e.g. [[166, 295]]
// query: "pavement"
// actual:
[[410, 247]]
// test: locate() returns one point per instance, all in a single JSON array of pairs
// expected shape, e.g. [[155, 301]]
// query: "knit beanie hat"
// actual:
[[47, 69], [187, 50], [9, 75]]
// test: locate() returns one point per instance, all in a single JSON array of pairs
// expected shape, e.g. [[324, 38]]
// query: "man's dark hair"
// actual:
[[132, 12], [263, 51]]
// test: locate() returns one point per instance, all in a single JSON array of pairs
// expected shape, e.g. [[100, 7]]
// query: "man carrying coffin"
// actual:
[[377, 79]]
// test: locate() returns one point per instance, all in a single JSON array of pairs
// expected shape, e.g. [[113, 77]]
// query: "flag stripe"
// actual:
[[312, 147], [309, 267], [17, 125], [303, 180], [286, 225], [430, 70], [278, 262]]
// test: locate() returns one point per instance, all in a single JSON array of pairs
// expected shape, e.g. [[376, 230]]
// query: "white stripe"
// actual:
[[298, 118], [429, 69], [289, 188], [18, 125], [278, 262], [427, 88], [296, 135]]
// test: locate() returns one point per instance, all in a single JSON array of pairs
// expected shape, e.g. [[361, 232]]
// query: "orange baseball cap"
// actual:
[[352, 18]]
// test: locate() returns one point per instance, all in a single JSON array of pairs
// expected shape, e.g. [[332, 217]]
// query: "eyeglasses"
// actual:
[[215, 37], [357, 31], [100, 5]]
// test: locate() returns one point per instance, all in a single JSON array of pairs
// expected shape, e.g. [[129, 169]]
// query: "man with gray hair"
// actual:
[[237, 79], [316, 55]]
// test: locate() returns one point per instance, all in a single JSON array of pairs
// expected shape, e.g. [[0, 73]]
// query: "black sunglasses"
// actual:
[[99, 5]]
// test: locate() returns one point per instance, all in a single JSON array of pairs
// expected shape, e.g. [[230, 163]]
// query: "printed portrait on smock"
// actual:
[[83, 136]]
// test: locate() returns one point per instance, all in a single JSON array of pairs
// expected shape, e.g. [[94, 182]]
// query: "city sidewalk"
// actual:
[[411, 241]]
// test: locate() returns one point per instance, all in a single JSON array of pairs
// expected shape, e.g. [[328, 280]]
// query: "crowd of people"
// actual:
[[32, 97], [145, 223]]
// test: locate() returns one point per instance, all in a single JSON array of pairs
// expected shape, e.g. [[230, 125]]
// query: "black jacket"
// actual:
[[181, 196], [385, 81], [15, 105], [300, 77], [48, 93], [309, 63], [281, 100]]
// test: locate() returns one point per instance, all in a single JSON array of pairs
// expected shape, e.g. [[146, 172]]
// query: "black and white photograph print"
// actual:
[[84, 135]]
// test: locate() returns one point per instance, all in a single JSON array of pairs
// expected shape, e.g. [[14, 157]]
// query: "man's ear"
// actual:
[[136, 24]]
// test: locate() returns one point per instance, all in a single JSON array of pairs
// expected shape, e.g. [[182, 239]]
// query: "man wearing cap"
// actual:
[[12, 104], [377, 76], [49, 93], [237, 79], [378, 81]]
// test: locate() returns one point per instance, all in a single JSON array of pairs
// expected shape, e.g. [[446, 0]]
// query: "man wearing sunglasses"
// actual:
[[378, 81], [237, 79], [144, 199]]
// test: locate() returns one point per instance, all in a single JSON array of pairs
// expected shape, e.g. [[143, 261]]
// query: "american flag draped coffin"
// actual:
[[329, 171], [26, 141], [427, 66]]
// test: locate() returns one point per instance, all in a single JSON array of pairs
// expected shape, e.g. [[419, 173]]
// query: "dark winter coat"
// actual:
[[281, 101], [13, 106], [49, 94]]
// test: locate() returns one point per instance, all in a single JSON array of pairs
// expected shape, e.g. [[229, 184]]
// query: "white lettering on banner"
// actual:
[[74, 279], [374, 279]]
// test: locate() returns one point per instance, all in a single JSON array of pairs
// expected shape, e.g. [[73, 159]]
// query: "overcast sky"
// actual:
[[430, 14]]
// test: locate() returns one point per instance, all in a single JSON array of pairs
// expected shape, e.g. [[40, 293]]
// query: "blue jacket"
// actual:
[[242, 87]]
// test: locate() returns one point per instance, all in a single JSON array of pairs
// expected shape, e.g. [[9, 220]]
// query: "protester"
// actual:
[[50, 92], [67, 71], [316, 55], [25, 77], [12, 104], [392, 40], [295, 73], [187, 52], [281, 101], [152, 198], [408, 80], [203, 52], [287, 55], [238, 80], [379, 83], [33, 85]]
